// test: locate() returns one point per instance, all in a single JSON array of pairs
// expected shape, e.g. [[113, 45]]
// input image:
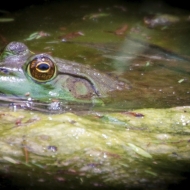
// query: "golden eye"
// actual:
[[42, 68]]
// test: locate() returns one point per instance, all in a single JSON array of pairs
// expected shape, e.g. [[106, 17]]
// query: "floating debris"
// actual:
[[120, 31], [11, 160], [181, 80], [153, 21], [133, 114], [139, 150], [150, 172], [95, 16], [6, 19], [147, 63], [37, 35], [71, 36]]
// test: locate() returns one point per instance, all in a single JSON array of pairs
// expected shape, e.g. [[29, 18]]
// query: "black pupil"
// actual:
[[43, 67]]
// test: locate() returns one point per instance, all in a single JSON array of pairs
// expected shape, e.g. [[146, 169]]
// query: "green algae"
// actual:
[[107, 152]]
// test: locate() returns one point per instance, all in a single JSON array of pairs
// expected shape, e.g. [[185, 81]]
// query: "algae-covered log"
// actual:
[[147, 148]]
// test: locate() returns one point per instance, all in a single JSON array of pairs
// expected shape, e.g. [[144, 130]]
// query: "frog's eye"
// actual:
[[41, 68]]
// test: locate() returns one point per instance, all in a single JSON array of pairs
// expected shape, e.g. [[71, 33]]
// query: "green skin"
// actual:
[[71, 81]]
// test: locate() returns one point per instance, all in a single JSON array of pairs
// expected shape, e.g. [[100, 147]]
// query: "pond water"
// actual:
[[114, 38]]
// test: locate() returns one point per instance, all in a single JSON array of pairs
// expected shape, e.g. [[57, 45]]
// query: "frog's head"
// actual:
[[42, 77]]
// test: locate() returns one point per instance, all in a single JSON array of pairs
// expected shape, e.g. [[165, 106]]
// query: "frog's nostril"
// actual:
[[4, 71]]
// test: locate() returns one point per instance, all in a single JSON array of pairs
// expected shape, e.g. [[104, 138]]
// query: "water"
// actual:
[[113, 38]]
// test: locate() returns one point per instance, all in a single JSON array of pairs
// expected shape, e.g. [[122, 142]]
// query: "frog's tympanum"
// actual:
[[43, 77]]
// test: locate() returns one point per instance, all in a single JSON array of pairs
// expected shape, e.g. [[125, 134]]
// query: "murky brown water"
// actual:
[[113, 37]]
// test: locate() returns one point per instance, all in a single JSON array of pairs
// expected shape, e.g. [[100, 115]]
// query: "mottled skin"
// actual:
[[42, 77]]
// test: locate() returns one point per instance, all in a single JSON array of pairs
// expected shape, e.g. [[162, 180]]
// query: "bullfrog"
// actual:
[[42, 77]]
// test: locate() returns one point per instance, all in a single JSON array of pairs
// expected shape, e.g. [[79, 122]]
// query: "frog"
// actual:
[[42, 77]]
